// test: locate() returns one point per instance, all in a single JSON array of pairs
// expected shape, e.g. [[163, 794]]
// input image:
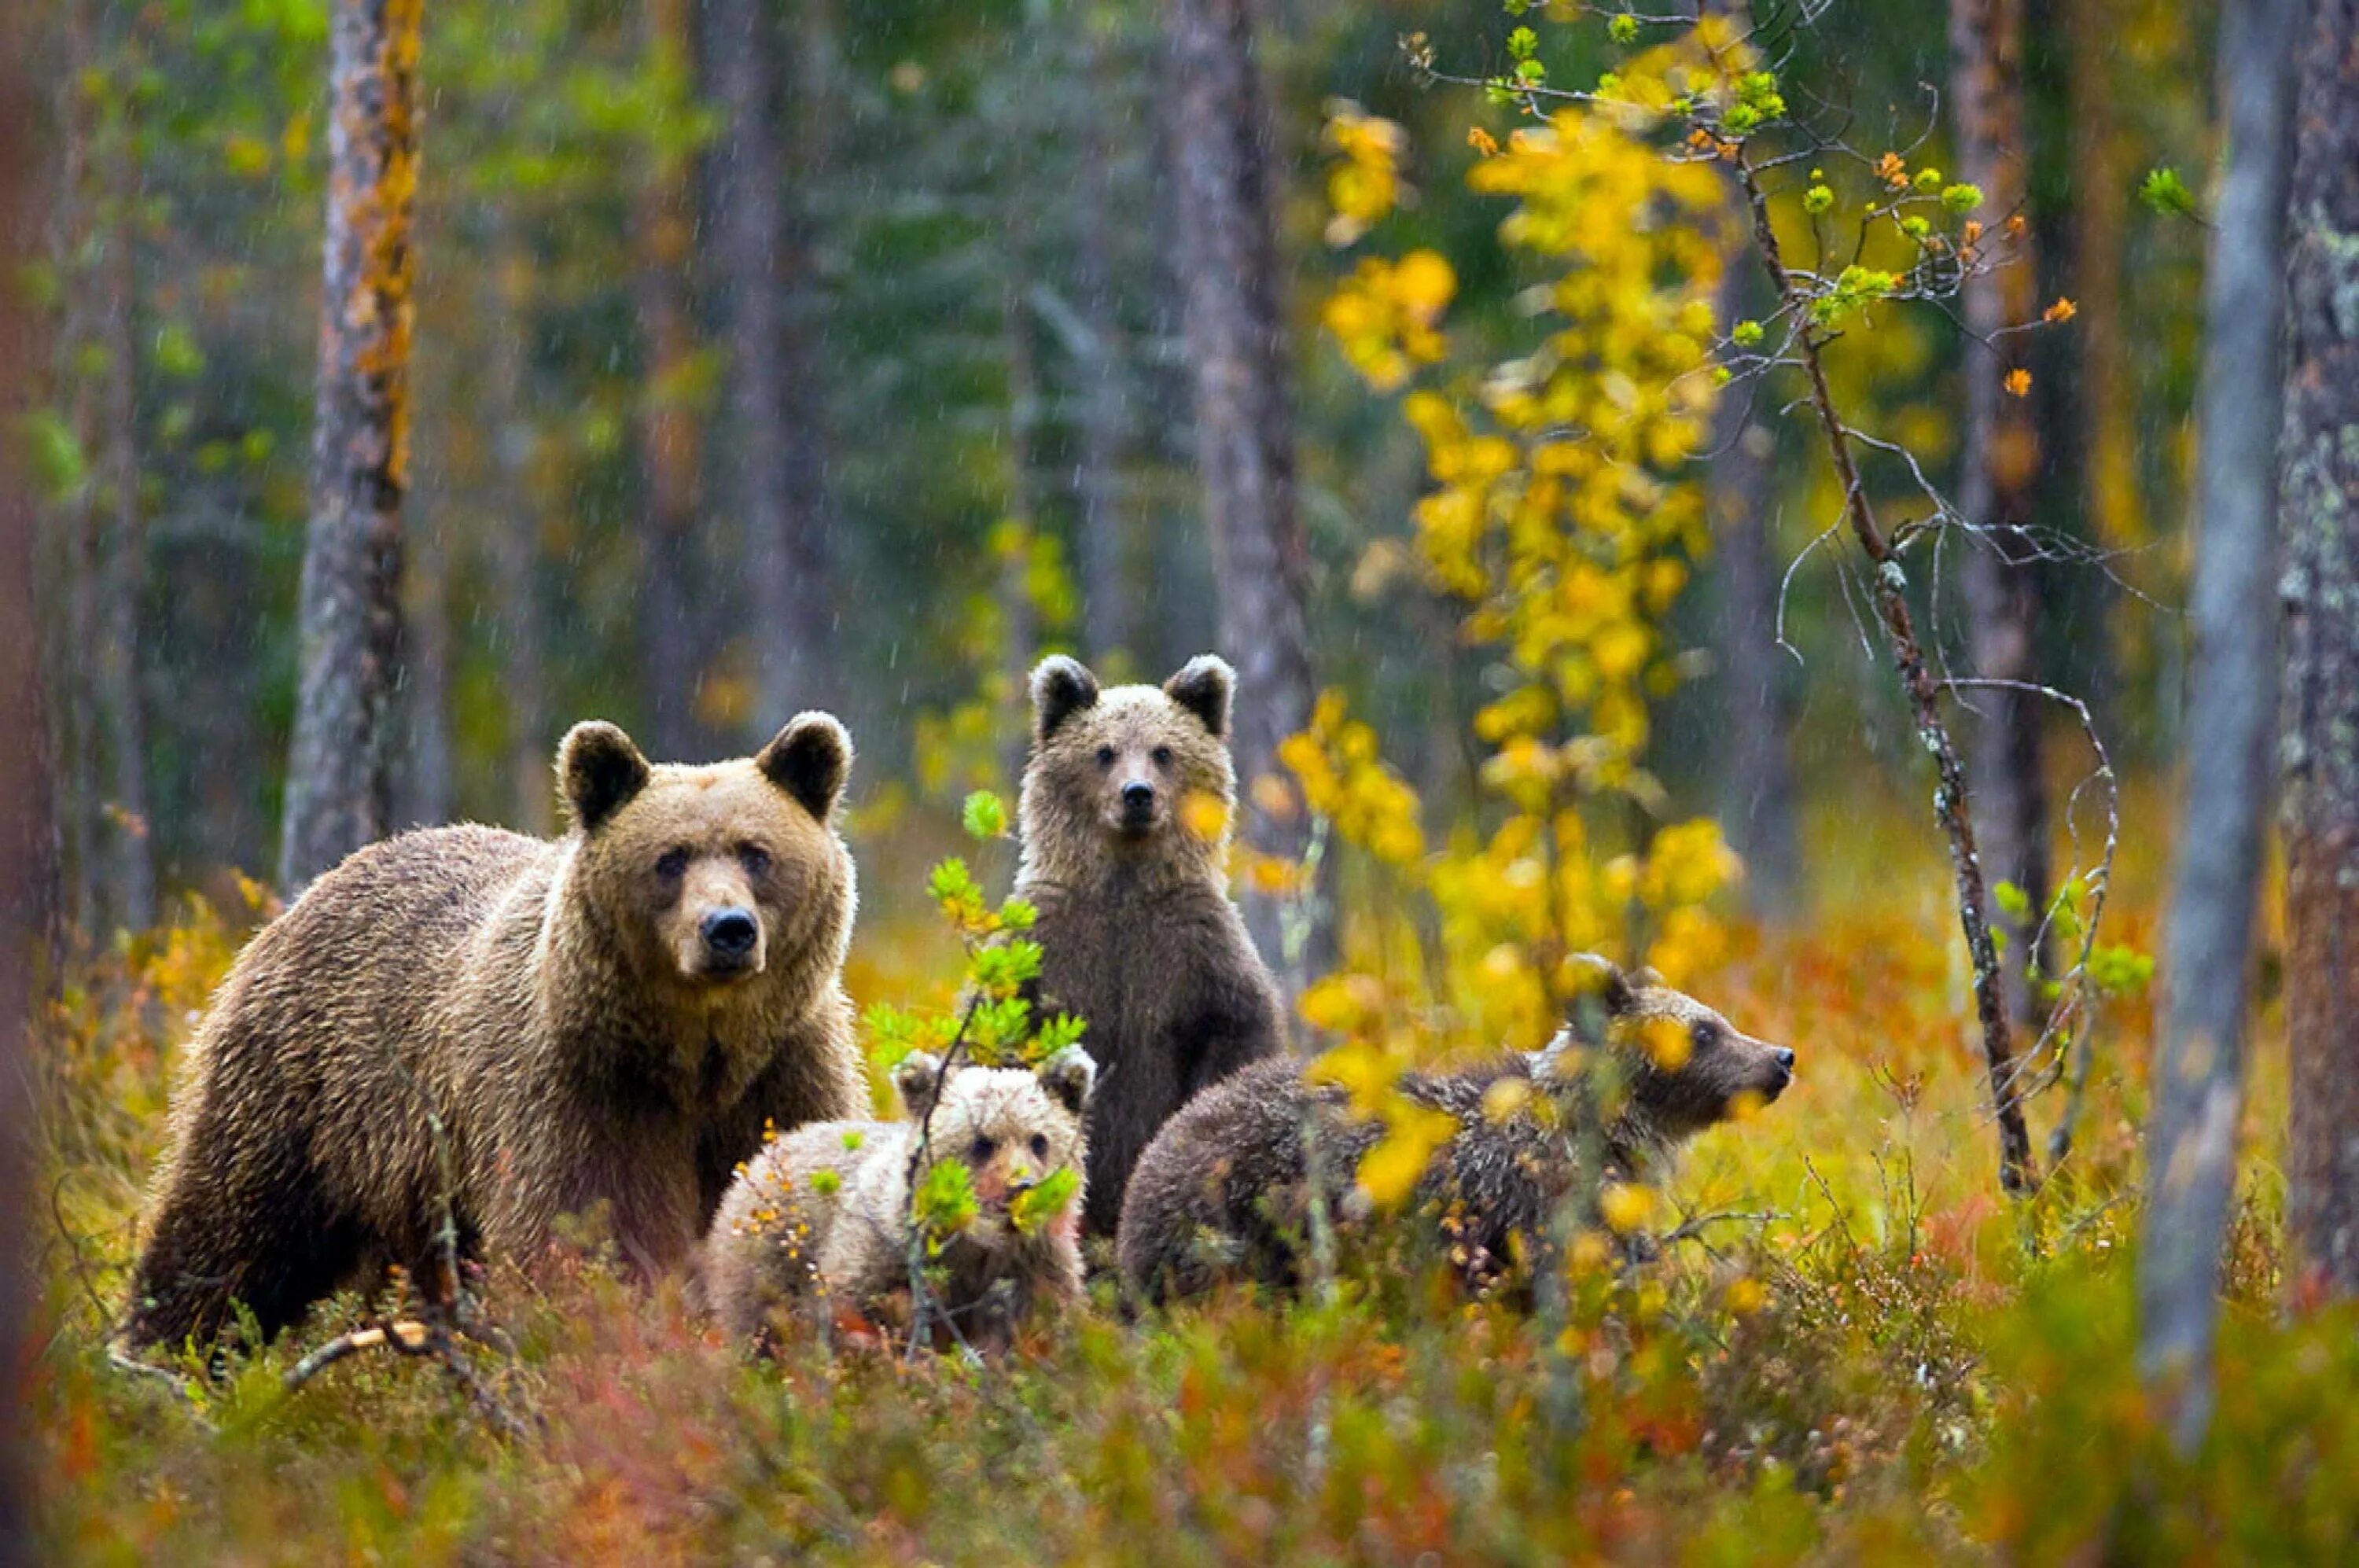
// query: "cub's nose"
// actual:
[[730, 933], [1138, 797], [1785, 1060]]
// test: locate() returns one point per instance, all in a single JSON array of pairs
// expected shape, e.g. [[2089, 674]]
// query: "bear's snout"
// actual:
[[1781, 1073], [1138, 804], [731, 937]]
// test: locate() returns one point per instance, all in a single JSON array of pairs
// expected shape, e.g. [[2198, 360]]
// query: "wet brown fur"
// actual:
[[547, 1006], [781, 1246], [1223, 1192], [1138, 935]]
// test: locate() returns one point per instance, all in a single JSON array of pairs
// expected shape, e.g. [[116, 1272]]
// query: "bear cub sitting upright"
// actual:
[[1225, 1192], [472, 1025], [820, 1221], [1125, 815]]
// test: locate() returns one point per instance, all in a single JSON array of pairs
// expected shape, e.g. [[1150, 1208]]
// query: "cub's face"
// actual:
[[710, 876], [1012, 1128], [1134, 772], [1686, 1067]]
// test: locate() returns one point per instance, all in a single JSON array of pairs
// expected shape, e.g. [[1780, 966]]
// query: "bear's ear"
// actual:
[[918, 1079], [1061, 687], [1068, 1076], [598, 770], [810, 760], [1620, 994], [1203, 687]]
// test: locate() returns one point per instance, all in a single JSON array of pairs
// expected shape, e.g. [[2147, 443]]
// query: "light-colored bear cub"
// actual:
[[819, 1223]]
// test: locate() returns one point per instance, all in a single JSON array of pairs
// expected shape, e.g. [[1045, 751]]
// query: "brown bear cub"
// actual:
[[471, 1024], [1125, 816], [819, 1222], [1223, 1192]]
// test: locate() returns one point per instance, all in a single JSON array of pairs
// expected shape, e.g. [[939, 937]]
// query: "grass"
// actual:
[[1891, 1362]]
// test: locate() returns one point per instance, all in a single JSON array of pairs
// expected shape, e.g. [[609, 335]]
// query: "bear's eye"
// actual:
[[1106, 756], [980, 1151], [1162, 756], [671, 864], [755, 859], [1706, 1034], [1039, 1146]]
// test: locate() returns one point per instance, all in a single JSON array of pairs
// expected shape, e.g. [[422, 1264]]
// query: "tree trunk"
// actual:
[[1103, 539], [351, 614], [2192, 1148], [772, 315], [515, 553], [1244, 435], [24, 813], [666, 422], [2319, 505], [122, 712], [1019, 619], [1998, 467], [1758, 787], [427, 773]]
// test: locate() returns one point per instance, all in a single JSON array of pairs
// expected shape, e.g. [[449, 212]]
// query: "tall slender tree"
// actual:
[[2192, 1141], [1245, 431], [515, 542], [1102, 538], [2319, 503], [2000, 462], [337, 795]]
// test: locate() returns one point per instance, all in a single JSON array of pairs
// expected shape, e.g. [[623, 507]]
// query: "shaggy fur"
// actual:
[[787, 1238], [506, 1030], [1125, 810], [1224, 1192]]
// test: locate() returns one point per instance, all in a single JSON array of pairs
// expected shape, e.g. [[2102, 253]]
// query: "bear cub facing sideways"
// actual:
[[1124, 815], [516, 1028], [820, 1221], [1225, 1192]]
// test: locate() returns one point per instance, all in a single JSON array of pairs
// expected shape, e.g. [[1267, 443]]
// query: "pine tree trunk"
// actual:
[[1019, 620], [1103, 539], [666, 423], [521, 628], [1999, 467], [1245, 433], [121, 702], [351, 614], [2192, 1148], [2319, 513], [426, 781]]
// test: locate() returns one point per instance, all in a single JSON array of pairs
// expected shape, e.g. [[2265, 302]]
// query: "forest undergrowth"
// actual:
[[1849, 1347]]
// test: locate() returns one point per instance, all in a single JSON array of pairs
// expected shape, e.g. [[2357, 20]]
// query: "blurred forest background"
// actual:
[[830, 355]]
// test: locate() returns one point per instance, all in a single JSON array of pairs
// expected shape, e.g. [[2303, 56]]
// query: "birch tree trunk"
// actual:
[[1245, 432], [2321, 521], [2191, 1138], [337, 796], [1999, 465]]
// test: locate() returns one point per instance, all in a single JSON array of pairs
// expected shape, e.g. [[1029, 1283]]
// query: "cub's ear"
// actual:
[[1645, 979], [1613, 989], [808, 759], [919, 1078], [598, 771], [1068, 1076], [1203, 687], [1061, 687]]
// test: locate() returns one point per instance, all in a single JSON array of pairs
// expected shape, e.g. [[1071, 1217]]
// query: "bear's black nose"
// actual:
[[1786, 1060], [730, 933], [1137, 798]]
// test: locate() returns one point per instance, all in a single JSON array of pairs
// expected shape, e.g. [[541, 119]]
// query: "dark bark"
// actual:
[[668, 434], [24, 801], [337, 797], [2191, 1138], [121, 702], [1999, 467], [1758, 784], [775, 397], [1103, 539], [427, 782], [2319, 518], [1953, 804], [1244, 434], [521, 630], [1020, 618]]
